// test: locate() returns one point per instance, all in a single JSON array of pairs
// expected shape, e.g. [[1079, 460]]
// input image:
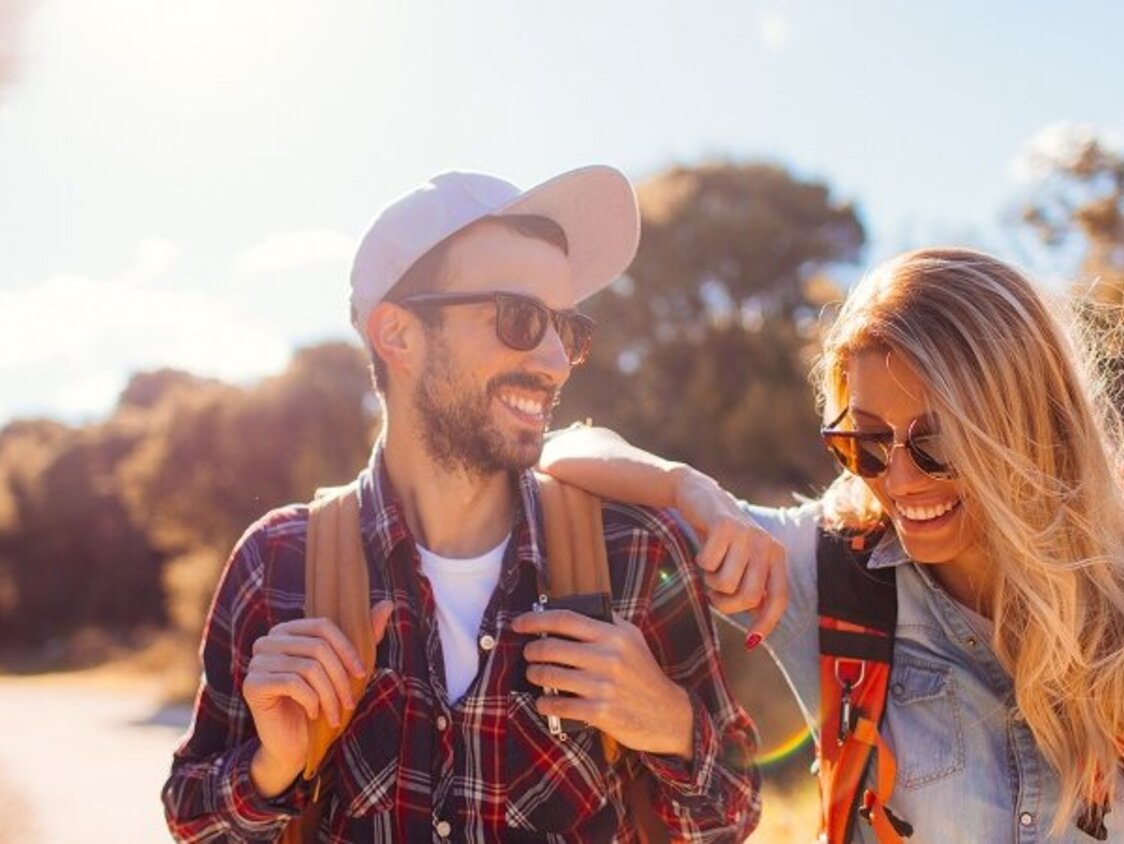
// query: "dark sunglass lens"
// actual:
[[576, 332], [929, 453], [863, 454], [844, 449], [870, 456], [521, 323]]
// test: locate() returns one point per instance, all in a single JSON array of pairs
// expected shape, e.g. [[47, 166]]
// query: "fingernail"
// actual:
[[753, 640]]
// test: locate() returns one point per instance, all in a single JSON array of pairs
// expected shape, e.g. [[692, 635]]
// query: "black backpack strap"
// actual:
[[847, 589]]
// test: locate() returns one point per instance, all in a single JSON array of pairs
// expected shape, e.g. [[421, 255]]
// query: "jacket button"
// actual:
[[487, 642], [1026, 818]]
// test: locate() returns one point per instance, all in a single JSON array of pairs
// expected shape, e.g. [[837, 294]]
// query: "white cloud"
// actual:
[[155, 256], [88, 396], [71, 341], [774, 31], [289, 250]]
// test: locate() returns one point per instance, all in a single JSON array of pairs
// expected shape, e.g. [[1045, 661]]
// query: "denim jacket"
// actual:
[[968, 766]]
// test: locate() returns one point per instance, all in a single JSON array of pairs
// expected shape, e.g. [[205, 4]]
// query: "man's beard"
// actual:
[[456, 419]]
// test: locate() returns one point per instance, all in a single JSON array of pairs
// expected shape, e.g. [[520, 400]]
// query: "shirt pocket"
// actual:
[[367, 756], [555, 783], [925, 722]]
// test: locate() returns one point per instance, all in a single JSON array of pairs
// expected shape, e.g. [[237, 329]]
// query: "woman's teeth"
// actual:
[[925, 514]]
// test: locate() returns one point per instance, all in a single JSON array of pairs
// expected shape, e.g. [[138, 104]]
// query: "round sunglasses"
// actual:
[[521, 320], [867, 454]]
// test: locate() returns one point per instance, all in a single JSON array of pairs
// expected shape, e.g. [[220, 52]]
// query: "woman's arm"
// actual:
[[744, 566]]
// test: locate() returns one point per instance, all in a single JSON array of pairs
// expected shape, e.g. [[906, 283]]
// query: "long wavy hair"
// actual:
[[1036, 442]]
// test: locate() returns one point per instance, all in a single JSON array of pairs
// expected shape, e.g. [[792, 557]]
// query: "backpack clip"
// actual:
[[848, 684]]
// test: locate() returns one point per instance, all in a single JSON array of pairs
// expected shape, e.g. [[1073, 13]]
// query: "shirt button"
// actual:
[[1026, 818], [487, 642], [972, 641], [444, 828], [442, 723]]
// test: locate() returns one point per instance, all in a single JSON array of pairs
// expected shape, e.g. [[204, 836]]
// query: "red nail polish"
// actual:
[[753, 640]]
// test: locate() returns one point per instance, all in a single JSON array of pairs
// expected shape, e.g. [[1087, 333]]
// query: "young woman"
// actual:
[[974, 433]]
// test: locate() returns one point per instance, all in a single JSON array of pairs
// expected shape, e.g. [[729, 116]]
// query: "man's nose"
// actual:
[[550, 356]]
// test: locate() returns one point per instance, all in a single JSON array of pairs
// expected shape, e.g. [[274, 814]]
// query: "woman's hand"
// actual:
[[744, 566]]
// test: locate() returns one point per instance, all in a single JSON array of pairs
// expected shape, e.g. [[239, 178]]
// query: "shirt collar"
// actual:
[[383, 522], [888, 553]]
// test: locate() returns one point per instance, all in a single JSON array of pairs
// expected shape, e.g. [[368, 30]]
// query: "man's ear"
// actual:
[[397, 336]]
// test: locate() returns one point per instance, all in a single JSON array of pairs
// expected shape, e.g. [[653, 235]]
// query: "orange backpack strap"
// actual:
[[337, 587], [857, 615]]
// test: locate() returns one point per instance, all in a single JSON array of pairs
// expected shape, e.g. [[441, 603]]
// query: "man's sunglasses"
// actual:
[[868, 454], [521, 321]]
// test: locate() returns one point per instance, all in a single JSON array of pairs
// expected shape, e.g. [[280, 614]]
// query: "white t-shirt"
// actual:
[[461, 591]]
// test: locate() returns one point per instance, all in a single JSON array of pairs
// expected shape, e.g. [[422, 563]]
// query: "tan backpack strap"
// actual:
[[337, 587], [576, 559], [577, 563]]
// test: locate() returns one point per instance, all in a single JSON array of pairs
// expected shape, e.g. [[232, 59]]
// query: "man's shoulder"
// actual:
[[644, 536], [286, 523], [662, 524], [275, 542]]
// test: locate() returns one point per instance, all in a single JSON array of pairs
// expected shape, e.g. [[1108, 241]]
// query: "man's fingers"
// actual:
[[577, 708], [563, 679], [563, 652], [306, 647], [380, 618], [319, 628], [334, 694], [269, 687], [561, 623]]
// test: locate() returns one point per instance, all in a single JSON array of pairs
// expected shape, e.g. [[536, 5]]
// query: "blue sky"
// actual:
[[183, 183]]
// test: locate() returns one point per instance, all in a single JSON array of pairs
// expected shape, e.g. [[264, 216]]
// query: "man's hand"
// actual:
[[619, 686], [298, 670], [744, 566]]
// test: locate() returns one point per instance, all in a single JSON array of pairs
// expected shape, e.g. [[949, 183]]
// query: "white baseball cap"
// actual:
[[595, 206]]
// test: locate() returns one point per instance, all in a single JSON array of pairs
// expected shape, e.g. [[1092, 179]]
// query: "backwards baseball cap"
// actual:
[[595, 206]]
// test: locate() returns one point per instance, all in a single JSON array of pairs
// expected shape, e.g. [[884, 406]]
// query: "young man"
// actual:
[[464, 293]]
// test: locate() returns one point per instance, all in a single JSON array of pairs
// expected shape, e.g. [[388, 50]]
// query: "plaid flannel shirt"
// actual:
[[413, 767]]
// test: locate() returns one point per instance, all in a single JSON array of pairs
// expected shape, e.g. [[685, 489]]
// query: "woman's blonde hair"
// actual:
[[1035, 441]]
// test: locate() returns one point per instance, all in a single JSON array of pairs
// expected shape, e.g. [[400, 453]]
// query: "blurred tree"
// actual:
[[219, 457], [1076, 209], [71, 555], [702, 351], [128, 521]]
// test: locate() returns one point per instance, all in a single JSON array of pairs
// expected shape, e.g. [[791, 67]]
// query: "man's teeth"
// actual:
[[925, 514], [524, 405]]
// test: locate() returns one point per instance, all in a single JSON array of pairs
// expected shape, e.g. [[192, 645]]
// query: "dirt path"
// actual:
[[82, 759]]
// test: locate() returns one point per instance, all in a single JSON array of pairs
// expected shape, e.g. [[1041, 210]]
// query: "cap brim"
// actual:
[[597, 209]]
